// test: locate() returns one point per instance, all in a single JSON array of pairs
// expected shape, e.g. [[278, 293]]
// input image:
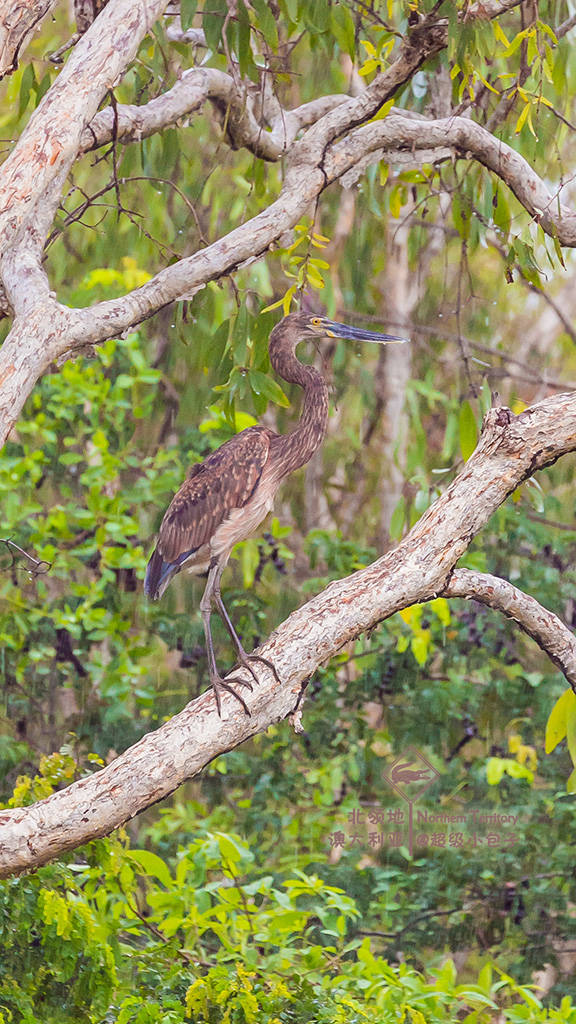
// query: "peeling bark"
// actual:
[[18, 20]]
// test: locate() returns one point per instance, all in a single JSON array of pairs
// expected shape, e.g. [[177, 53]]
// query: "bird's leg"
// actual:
[[243, 658], [218, 684]]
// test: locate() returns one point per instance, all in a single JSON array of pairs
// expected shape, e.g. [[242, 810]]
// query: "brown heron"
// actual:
[[226, 497]]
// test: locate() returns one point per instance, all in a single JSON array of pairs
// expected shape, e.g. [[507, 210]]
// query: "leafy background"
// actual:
[[229, 902]]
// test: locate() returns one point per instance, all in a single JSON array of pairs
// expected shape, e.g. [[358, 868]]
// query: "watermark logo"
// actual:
[[410, 775]]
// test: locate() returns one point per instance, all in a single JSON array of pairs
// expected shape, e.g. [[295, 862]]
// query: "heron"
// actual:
[[227, 496]]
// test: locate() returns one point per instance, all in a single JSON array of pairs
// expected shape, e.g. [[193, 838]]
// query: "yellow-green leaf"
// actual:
[[571, 731], [468, 431], [499, 34], [441, 609], [557, 724], [521, 120]]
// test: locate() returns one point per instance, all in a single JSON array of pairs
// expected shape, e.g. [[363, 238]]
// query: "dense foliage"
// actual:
[[235, 902]]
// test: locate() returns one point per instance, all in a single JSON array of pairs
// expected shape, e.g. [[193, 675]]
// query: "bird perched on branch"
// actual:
[[226, 497]]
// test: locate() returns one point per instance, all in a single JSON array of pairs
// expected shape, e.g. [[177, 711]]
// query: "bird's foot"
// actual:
[[245, 659], [219, 685]]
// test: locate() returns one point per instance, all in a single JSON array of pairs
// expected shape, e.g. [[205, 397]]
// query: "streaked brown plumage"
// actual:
[[227, 496]]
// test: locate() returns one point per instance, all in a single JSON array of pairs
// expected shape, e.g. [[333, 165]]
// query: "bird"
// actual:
[[227, 496]]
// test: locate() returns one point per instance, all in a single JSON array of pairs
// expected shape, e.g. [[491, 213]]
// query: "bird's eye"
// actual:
[[316, 321]]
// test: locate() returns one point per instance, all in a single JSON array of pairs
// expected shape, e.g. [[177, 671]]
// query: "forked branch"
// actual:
[[549, 632]]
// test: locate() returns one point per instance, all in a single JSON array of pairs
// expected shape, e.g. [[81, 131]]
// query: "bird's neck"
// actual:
[[300, 445]]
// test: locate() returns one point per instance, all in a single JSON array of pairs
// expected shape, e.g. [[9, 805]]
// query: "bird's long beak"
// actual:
[[336, 330]]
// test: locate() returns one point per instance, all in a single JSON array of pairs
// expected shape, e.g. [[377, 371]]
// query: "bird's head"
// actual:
[[301, 326]]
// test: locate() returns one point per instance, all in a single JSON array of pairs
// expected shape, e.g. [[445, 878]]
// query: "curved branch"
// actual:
[[511, 448], [49, 144], [176, 34], [549, 632], [467, 138], [18, 21], [132, 123], [304, 182]]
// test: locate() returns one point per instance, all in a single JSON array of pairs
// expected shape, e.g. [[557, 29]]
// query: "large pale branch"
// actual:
[[469, 139], [549, 632], [304, 182], [51, 140], [511, 448], [130, 123], [18, 20], [423, 42]]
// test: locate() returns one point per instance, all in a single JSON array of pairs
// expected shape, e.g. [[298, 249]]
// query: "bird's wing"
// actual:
[[225, 480]]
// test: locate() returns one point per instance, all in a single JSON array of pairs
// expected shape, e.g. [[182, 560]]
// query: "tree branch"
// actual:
[[18, 20], [51, 140], [304, 182], [549, 632], [188, 95], [511, 448], [467, 138]]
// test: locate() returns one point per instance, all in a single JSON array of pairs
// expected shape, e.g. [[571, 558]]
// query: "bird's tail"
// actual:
[[158, 575]]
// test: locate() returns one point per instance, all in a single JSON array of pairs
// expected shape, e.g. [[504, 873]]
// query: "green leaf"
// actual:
[[250, 562], [266, 22], [468, 431], [187, 12], [343, 29], [261, 384], [398, 519], [213, 18], [245, 58], [28, 80], [240, 335], [43, 88], [151, 864]]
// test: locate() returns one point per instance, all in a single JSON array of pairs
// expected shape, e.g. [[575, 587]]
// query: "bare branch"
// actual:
[[549, 632], [176, 34], [199, 84], [51, 140], [304, 182], [468, 139], [188, 95], [511, 448], [18, 19], [565, 27]]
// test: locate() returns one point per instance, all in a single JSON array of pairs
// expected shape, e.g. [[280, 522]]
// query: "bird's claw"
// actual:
[[219, 684], [244, 661]]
